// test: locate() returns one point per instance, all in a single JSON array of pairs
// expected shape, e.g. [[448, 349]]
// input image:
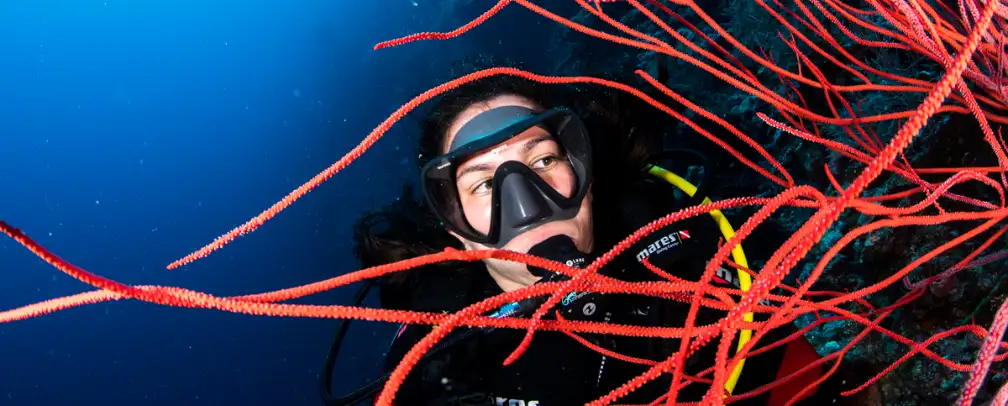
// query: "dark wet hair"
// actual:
[[406, 228]]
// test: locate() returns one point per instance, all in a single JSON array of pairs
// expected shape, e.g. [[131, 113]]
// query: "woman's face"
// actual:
[[538, 150]]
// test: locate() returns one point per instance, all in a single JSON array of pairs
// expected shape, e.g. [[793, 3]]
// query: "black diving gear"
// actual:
[[521, 199]]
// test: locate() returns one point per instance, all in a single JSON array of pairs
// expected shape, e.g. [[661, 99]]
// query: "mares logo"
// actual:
[[663, 244]]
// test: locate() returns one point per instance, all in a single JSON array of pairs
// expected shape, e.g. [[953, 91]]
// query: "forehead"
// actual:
[[472, 111]]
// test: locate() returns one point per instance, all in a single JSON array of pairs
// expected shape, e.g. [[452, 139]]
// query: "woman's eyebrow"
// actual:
[[535, 141], [474, 168]]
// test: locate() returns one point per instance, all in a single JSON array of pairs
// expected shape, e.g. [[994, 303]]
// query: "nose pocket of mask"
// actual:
[[522, 205]]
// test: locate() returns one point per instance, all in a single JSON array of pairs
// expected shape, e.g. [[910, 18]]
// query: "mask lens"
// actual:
[[442, 195], [575, 147]]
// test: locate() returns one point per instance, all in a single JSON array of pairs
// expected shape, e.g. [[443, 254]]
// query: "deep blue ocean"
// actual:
[[134, 132]]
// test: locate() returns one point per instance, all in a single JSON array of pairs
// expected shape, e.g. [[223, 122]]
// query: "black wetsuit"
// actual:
[[557, 370]]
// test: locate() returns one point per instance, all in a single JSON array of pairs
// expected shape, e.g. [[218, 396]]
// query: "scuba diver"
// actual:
[[507, 163]]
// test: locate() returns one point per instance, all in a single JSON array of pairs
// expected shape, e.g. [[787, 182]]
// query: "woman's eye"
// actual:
[[544, 162], [481, 188]]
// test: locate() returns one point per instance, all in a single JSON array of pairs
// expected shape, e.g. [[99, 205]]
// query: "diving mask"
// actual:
[[520, 198]]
